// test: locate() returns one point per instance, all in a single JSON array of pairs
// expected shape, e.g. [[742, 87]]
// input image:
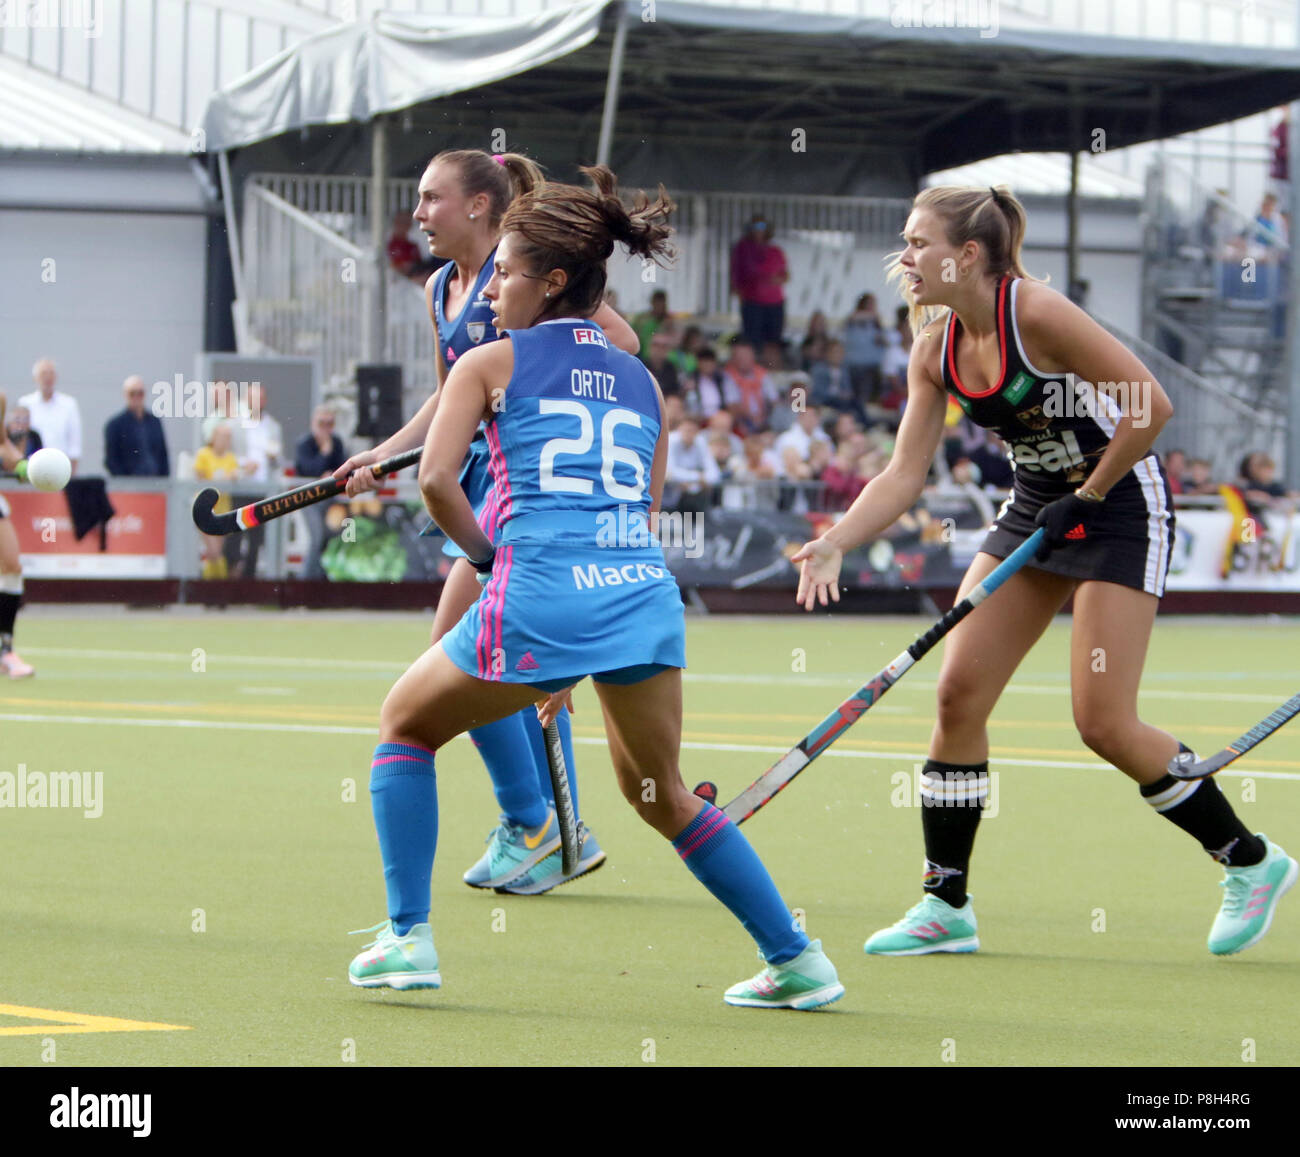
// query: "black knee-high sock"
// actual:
[[952, 797], [1200, 809], [9, 604]]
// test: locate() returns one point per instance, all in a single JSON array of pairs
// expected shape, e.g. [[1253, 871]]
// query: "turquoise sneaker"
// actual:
[[391, 961], [932, 926], [807, 981], [549, 873], [1250, 897], [512, 850]]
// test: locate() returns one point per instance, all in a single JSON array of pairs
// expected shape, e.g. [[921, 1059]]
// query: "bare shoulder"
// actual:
[[927, 349], [1039, 306]]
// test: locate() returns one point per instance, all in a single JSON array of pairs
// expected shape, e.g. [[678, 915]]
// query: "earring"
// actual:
[[548, 293], [471, 216]]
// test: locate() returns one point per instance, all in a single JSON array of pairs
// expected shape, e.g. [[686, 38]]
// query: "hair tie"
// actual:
[[499, 158]]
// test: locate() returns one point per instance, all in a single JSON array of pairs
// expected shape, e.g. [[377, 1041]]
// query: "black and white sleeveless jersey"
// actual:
[[1056, 426]]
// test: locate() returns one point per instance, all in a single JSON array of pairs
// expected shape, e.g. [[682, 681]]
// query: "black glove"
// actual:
[[1066, 520]]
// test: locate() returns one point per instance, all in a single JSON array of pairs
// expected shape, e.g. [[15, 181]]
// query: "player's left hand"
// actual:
[[1066, 520], [548, 709]]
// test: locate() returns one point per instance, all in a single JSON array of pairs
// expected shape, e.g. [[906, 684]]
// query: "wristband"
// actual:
[[1088, 494], [484, 567]]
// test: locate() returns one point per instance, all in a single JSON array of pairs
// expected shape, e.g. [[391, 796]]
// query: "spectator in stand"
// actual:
[[720, 425], [686, 353], [1176, 470], [1270, 232], [846, 426], [993, 462], [674, 411], [721, 452], [893, 366], [133, 440], [812, 351], [796, 399], [691, 469], [216, 462], [1200, 478], [805, 448], [818, 328], [316, 454], [321, 451], [842, 479], [26, 440], [864, 343], [263, 435], [404, 254], [223, 410], [656, 361], [1279, 169], [647, 323], [713, 389], [757, 466], [754, 388], [1259, 482], [54, 415], [832, 385], [758, 277]]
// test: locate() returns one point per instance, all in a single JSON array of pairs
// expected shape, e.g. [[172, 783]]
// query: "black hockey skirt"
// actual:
[[1129, 541]]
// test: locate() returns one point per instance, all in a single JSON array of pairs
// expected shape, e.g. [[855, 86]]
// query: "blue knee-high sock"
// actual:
[[508, 754], [538, 737], [404, 798], [720, 857]]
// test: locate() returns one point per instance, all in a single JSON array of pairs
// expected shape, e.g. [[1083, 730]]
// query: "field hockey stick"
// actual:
[[1185, 765], [570, 848], [778, 776], [278, 505]]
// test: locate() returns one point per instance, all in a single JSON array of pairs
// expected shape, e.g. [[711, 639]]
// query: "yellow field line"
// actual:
[[76, 1022]]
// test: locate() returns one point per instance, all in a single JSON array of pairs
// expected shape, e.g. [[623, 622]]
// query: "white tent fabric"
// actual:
[[355, 72]]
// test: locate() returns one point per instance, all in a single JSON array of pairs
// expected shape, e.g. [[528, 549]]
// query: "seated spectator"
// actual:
[[812, 350], [1200, 478], [805, 448], [26, 440], [713, 389], [646, 324], [893, 366], [1258, 480], [831, 384], [674, 411], [1175, 464], [686, 353], [818, 327], [691, 470], [321, 451], [656, 361], [721, 424], [757, 467], [864, 342], [797, 397], [842, 480], [721, 452], [993, 461], [133, 439], [755, 391]]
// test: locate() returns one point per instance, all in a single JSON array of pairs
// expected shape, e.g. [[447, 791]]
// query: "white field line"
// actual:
[[846, 683], [328, 729]]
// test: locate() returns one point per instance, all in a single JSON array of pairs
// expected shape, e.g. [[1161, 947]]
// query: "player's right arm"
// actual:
[[409, 436], [892, 492]]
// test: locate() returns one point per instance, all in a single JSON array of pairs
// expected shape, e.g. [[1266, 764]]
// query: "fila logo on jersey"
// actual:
[[475, 330], [590, 337]]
